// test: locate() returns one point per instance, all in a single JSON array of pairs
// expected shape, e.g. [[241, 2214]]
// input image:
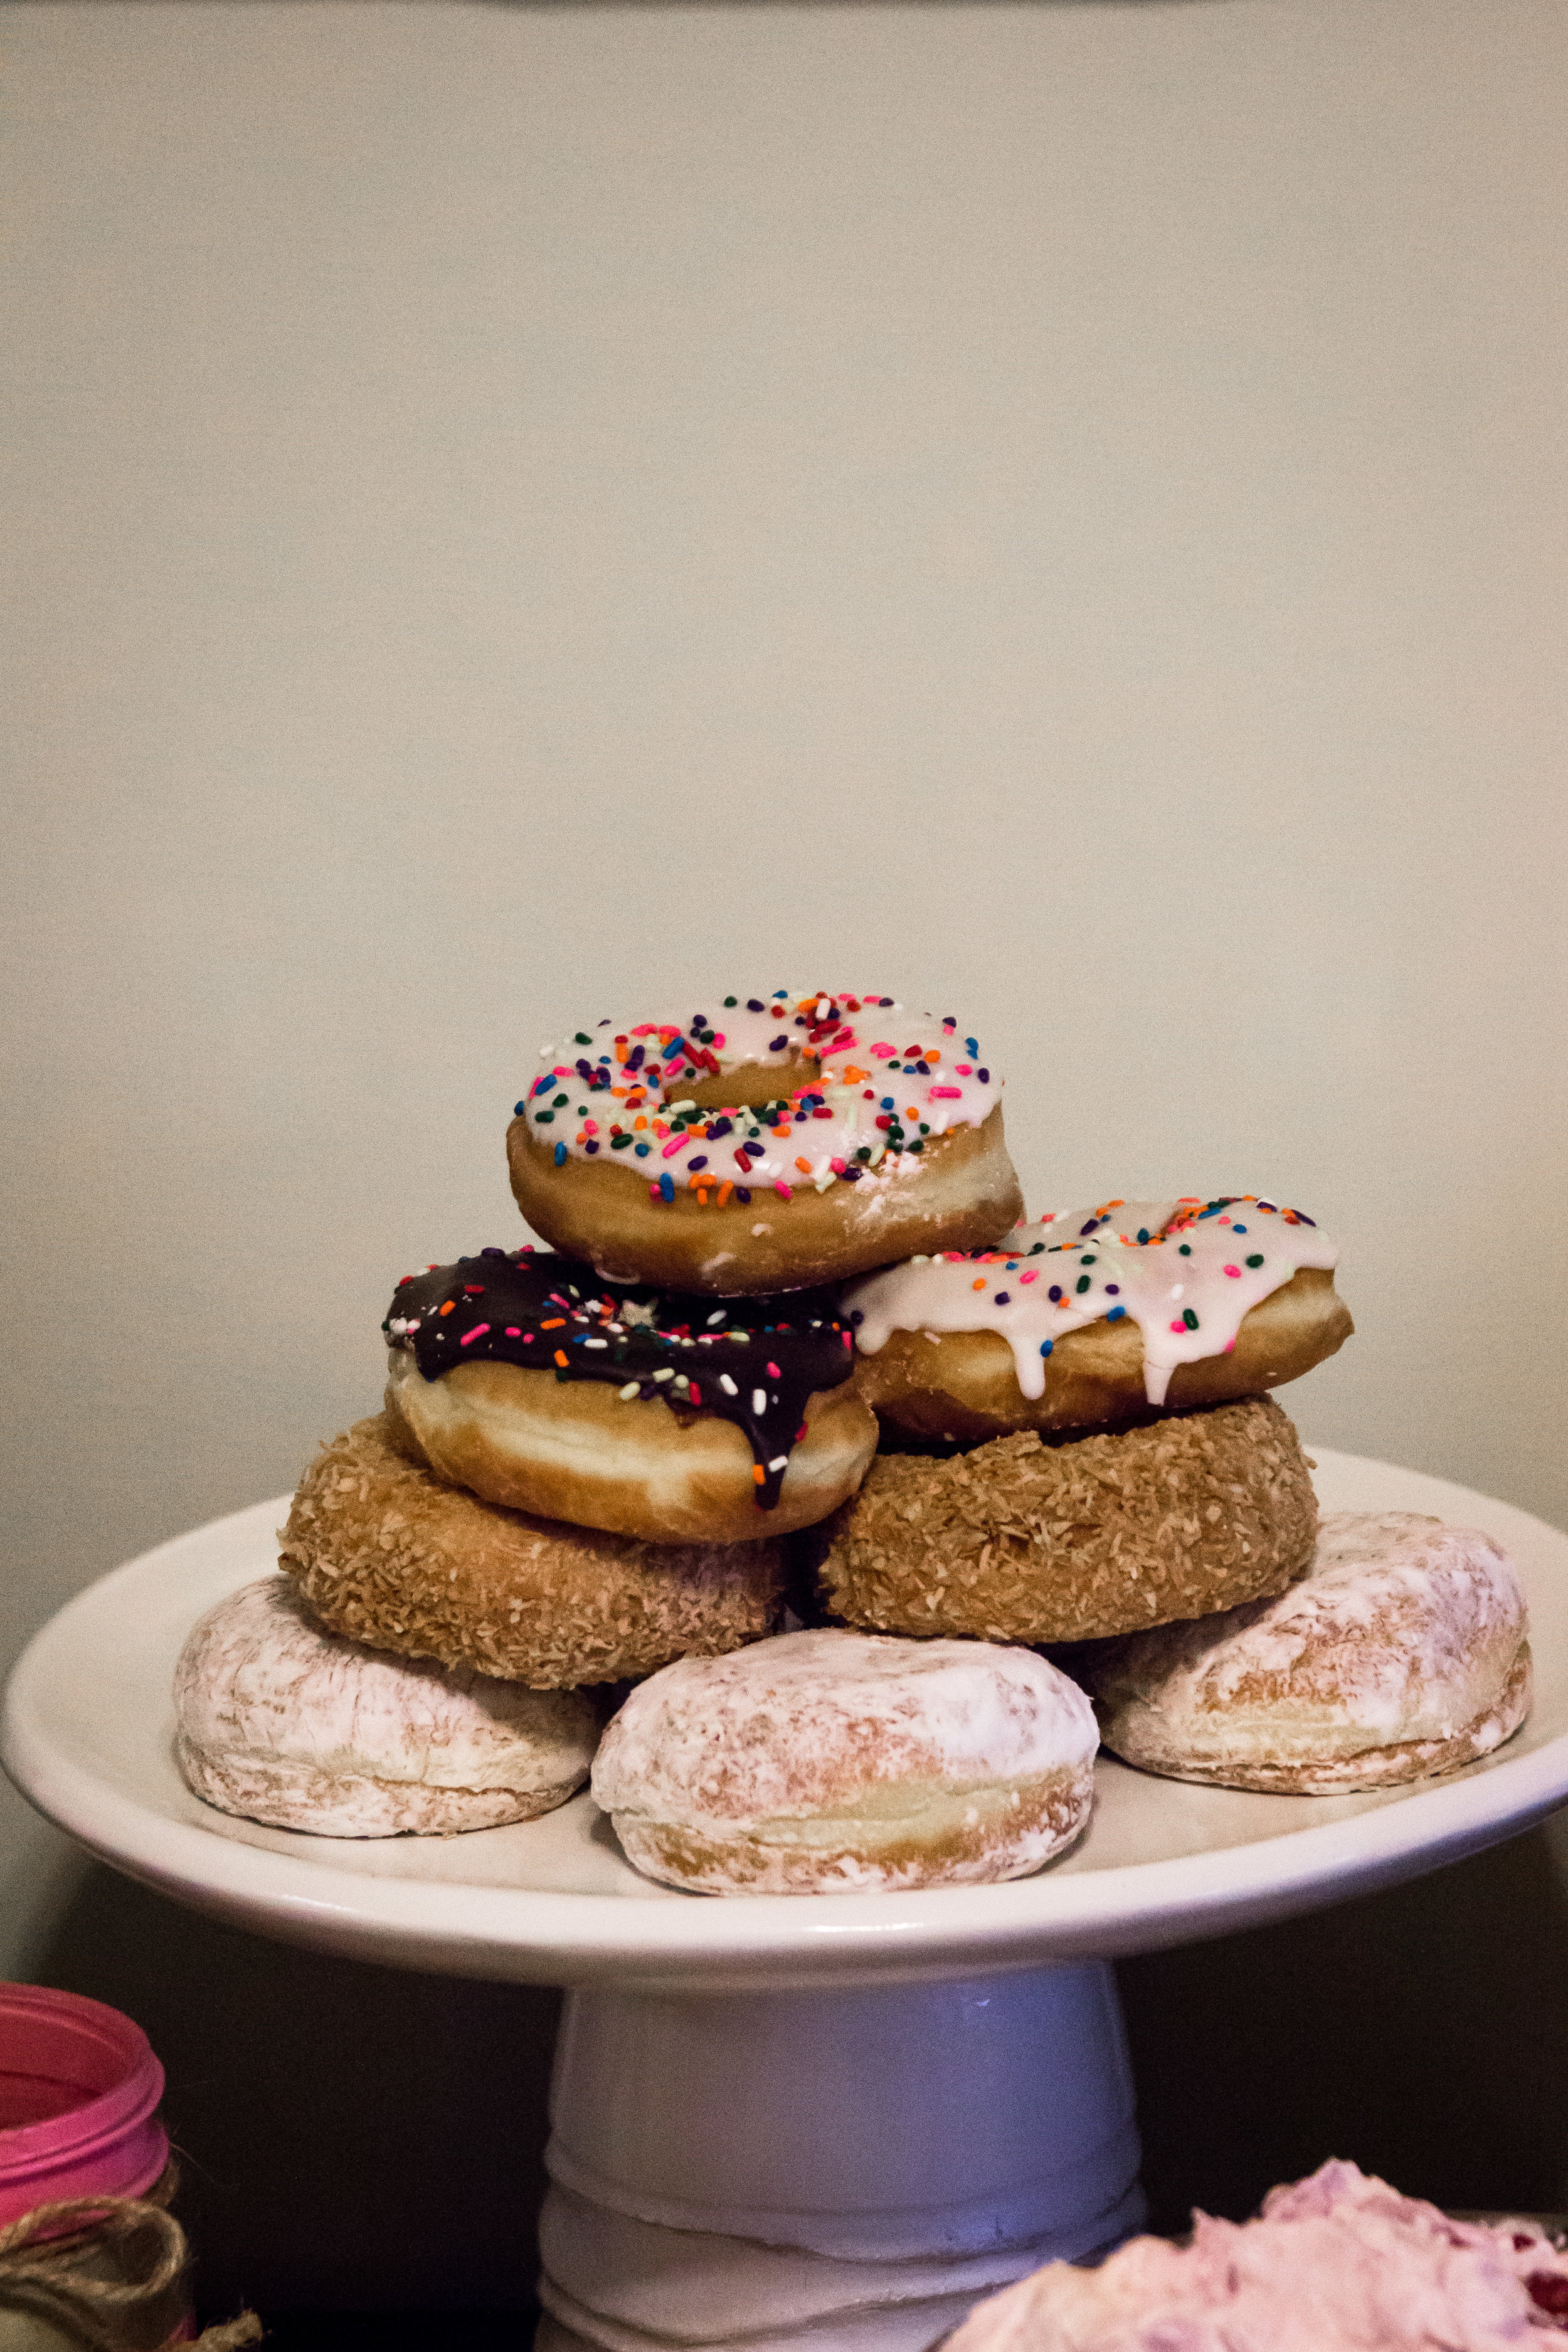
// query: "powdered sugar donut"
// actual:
[[831, 1762], [284, 1723], [786, 1142], [1093, 1317], [1401, 1653]]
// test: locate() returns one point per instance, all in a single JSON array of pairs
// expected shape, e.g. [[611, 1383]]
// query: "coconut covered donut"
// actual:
[[1092, 1317], [782, 1142], [284, 1723], [1027, 1540], [651, 1414], [830, 1762], [1401, 1652], [387, 1554]]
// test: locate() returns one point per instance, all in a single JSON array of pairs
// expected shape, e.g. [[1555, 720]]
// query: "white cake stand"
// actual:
[[831, 2121]]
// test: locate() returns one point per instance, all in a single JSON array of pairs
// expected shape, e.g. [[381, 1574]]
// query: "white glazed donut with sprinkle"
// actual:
[[779, 1141], [1161, 1285]]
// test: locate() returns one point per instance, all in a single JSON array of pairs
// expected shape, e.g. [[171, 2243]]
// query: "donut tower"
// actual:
[[794, 1426]]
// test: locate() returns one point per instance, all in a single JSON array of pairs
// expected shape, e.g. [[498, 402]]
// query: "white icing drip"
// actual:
[[883, 1069], [1186, 1285], [807, 1723]]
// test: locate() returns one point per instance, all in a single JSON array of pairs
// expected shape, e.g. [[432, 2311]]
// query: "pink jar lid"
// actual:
[[78, 2095]]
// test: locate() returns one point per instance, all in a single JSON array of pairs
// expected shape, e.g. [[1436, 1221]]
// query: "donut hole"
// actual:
[[751, 1085]]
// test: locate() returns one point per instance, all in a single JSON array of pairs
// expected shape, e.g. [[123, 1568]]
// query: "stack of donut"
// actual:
[[1158, 1327], [789, 1347], [590, 1454]]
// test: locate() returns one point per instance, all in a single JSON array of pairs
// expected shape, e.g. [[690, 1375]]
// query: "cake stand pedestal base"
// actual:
[[847, 2171]]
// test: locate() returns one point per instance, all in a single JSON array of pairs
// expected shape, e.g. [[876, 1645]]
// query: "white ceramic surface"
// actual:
[[88, 1738], [829, 2171]]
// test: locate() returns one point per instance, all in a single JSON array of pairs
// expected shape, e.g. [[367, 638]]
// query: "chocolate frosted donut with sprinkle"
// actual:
[[1093, 1317], [780, 1142], [651, 1414]]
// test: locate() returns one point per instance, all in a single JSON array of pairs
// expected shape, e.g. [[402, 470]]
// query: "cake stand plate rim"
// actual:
[[304, 1894]]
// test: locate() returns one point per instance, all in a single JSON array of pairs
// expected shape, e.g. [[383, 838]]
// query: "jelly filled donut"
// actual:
[[680, 1419], [828, 1762], [388, 1555], [283, 1723], [1094, 1317], [783, 1142], [1401, 1653]]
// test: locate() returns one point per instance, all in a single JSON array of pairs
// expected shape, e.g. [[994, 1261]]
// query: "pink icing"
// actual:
[[1209, 1262], [871, 1112], [1338, 2263]]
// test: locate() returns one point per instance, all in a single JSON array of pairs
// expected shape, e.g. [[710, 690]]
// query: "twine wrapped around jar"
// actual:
[[105, 2274]]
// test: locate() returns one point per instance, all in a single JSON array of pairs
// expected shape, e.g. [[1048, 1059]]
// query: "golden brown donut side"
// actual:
[[579, 1452], [1371, 1768], [960, 1192], [971, 1837], [388, 1555], [963, 1384], [1022, 1540]]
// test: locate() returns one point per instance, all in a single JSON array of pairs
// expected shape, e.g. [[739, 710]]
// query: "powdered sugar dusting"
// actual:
[[808, 1722], [260, 1684], [1404, 1629]]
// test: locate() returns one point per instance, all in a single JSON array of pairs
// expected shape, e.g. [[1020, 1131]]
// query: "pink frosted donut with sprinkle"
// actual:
[[1093, 1317], [779, 1141]]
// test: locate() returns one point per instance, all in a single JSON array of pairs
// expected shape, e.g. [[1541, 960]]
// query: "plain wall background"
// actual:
[[1053, 513]]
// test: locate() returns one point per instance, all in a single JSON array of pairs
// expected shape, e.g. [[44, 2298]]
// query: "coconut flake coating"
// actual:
[[829, 1758], [385, 1553], [284, 1723], [1337, 2262], [1026, 1540], [1401, 1652]]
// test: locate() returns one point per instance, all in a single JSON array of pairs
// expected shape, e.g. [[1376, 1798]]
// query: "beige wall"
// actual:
[[1055, 512]]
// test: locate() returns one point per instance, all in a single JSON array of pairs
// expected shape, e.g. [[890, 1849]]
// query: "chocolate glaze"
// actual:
[[549, 1314]]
